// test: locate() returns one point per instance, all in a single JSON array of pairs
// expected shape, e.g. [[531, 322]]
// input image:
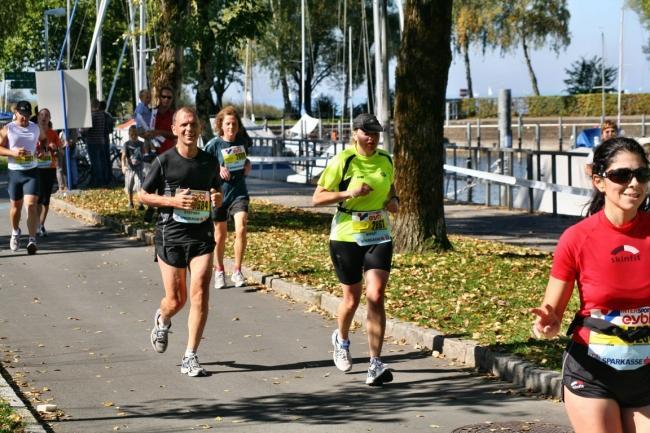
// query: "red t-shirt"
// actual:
[[611, 265], [164, 122]]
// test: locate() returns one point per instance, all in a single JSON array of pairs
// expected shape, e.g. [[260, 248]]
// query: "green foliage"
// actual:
[[586, 76]]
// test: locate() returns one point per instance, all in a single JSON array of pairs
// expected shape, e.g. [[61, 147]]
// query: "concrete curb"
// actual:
[[507, 367], [8, 394]]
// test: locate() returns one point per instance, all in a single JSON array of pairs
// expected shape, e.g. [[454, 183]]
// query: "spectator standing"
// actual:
[[132, 165], [109, 126], [95, 143]]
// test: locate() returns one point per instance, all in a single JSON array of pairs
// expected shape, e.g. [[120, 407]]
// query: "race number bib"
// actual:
[[615, 352], [200, 209], [25, 160], [370, 228], [44, 161], [234, 157]]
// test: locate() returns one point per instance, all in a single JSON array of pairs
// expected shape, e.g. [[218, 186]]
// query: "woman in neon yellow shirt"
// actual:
[[360, 180]]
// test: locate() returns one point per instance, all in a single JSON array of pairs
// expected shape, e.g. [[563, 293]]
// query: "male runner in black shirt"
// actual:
[[181, 183]]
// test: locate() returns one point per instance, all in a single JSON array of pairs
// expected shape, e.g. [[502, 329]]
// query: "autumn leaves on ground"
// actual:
[[479, 290]]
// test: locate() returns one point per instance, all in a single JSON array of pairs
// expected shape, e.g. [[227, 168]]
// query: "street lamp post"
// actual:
[[58, 12]]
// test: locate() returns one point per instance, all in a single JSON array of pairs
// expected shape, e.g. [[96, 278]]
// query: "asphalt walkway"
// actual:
[[74, 331]]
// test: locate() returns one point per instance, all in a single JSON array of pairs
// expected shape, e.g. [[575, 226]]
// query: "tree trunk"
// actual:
[[286, 95], [421, 83], [204, 104], [468, 71], [533, 78], [168, 67]]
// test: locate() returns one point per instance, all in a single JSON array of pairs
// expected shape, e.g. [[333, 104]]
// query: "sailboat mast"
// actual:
[[303, 109]]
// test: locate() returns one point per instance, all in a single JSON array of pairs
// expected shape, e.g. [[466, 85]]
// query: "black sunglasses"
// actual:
[[166, 96], [623, 176]]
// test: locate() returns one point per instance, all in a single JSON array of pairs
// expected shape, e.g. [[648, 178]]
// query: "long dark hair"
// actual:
[[604, 156]]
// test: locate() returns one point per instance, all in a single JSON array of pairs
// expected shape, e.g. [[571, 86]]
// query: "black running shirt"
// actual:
[[171, 171]]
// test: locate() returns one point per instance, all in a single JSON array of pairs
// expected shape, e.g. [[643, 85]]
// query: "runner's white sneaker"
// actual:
[[14, 241], [159, 334], [341, 356], [190, 366], [378, 373], [42, 232], [219, 279], [238, 279]]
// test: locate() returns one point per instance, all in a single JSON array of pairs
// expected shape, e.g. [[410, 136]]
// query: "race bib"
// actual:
[[370, 228], [615, 352], [234, 157], [44, 161], [200, 209]]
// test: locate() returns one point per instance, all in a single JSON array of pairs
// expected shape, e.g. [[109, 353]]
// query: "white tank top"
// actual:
[[27, 138]]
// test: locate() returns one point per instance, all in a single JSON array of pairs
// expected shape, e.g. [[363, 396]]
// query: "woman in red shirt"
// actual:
[[606, 369]]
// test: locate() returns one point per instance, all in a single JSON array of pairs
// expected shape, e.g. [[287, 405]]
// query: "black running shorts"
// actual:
[[179, 256], [227, 210], [587, 377], [351, 260]]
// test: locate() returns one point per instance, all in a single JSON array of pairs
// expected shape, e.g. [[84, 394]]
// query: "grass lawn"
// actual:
[[480, 290], [10, 421]]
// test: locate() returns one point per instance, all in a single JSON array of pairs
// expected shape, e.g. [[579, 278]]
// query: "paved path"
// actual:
[[74, 328]]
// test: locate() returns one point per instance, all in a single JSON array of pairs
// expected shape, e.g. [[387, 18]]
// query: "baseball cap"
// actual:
[[24, 108], [367, 122]]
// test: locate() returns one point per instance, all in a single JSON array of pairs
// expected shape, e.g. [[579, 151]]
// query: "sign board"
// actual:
[[463, 93], [20, 76], [23, 84], [49, 91]]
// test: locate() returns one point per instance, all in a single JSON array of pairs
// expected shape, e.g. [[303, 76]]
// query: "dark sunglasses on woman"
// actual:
[[623, 176]]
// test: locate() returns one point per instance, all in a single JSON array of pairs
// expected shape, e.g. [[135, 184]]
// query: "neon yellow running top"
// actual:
[[353, 222]]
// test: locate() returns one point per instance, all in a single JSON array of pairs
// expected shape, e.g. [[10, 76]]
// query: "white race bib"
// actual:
[[371, 227], [200, 209], [234, 157]]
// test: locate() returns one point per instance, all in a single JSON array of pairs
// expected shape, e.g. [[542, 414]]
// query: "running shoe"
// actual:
[[219, 279], [42, 232], [159, 334], [14, 242], [31, 246], [190, 366], [378, 373], [341, 356], [238, 279]]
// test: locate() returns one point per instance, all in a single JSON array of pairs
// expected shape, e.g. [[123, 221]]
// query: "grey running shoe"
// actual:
[[14, 241], [378, 374], [31, 247], [238, 279], [341, 356], [42, 232], [190, 366], [159, 334], [219, 279]]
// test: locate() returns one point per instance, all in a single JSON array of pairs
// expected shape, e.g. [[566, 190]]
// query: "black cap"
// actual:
[[24, 108], [367, 122]]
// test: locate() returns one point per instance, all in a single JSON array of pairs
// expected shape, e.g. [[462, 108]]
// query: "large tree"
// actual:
[[531, 24], [472, 22], [586, 76], [421, 84]]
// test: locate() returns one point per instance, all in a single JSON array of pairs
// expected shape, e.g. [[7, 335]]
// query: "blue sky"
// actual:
[[491, 71]]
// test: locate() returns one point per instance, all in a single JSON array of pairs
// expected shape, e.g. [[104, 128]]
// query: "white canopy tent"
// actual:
[[305, 126]]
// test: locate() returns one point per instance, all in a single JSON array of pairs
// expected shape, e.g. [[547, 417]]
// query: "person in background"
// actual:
[[606, 374], [608, 130], [160, 130], [132, 165], [360, 180], [142, 113], [95, 141], [19, 141], [109, 125], [47, 167], [183, 182], [230, 147]]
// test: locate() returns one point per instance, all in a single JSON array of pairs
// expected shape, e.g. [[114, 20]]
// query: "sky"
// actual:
[[492, 71]]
